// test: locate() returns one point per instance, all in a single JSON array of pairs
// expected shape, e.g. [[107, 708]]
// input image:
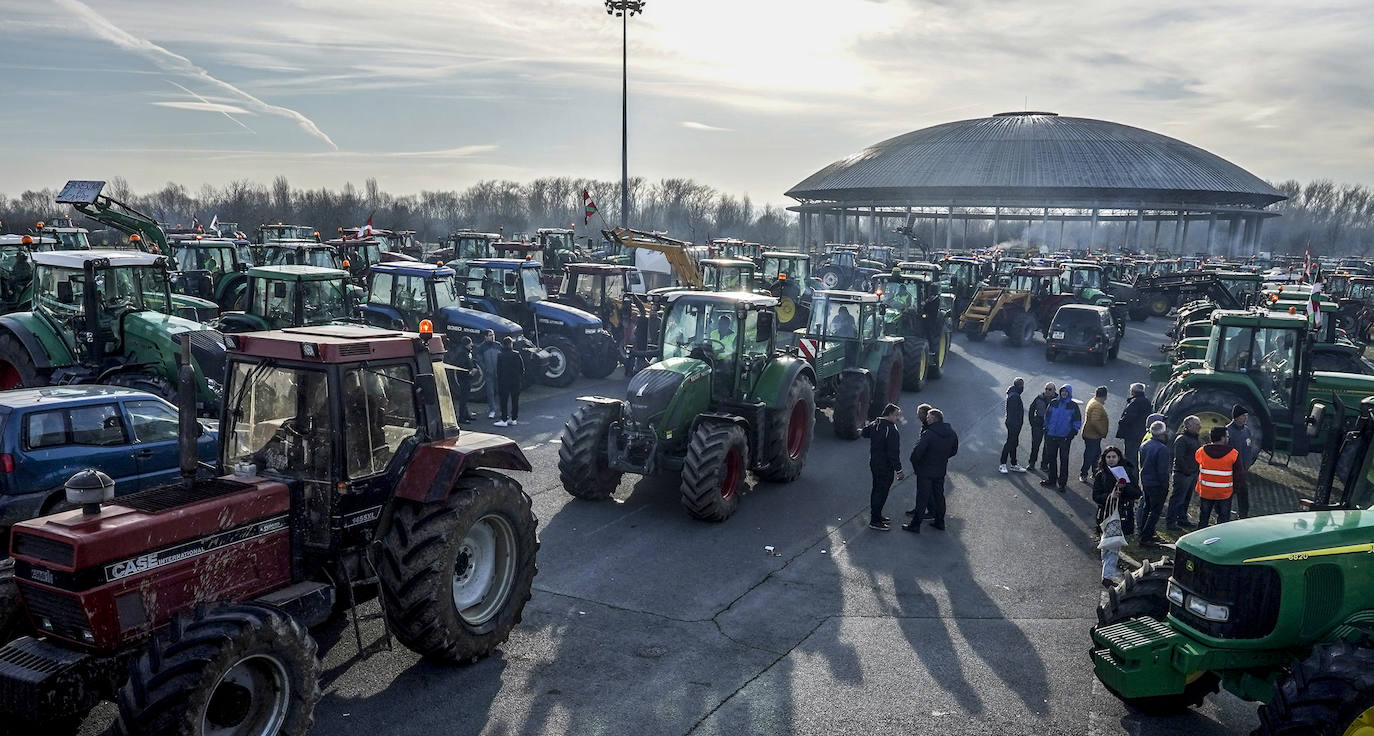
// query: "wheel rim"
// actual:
[[558, 363], [9, 376], [1160, 307], [796, 429], [484, 572], [729, 484], [1362, 725], [944, 348], [831, 280], [477, 381], [1212, 419], [250, 699]]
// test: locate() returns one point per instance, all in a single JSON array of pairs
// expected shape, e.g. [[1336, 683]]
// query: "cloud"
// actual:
[[177, 64], [204, 104], [459, 152], [693, 125], [204, 107]]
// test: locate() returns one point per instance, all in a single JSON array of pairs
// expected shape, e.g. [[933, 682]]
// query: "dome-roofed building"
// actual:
[[1037, 168]]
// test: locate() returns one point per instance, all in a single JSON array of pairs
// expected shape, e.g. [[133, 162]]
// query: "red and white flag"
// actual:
[[366, 230], [588, 207], [1307, 265]]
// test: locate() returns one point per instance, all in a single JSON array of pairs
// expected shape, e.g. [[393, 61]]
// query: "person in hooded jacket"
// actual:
[[1239, 436], [930, 462], [488, 354], [1107, 487], [1156, 461], [1135, 419], [1016, 415], [1063, 420], [509, 368], [1035, 415]]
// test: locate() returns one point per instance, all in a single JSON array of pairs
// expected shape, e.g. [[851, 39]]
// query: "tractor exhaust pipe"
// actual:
[[189, 428]]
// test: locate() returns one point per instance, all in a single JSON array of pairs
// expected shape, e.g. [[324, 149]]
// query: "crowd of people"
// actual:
[[502, 371], [1153, 473]]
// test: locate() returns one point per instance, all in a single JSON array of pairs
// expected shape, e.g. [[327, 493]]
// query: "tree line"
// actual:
[[684, 208], [1331, 218]]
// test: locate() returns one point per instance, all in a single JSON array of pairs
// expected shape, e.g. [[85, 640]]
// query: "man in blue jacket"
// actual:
[[1156, 460], [1063, 420]]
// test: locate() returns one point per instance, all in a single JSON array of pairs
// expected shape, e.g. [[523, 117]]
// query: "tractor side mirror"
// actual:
[[764, 331], [64, 292], [356, 295], [279, 290], [241, 267]]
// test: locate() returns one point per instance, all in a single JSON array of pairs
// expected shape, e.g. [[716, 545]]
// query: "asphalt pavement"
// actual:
[[644, 621]]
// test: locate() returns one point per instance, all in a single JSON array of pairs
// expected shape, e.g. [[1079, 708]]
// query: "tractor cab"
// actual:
[[278, 297], [301, 253], [64, 234], [462, 246], [559, 247], [1039, 281], [281, 232], [735, 248], [727, 274], [360, 254], [960, 276], [884, 254], [1244, 286], [732, 334], [1006, 267], [1081, 276], [210, 268], [16, 269], [399, 295], [844, 319], [787, 276]]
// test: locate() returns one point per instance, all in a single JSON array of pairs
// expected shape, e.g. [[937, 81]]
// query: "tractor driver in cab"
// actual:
[[902, 299], [843, 324], [724, 335]]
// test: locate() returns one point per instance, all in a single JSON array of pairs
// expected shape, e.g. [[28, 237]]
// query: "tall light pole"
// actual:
[[623, 9]]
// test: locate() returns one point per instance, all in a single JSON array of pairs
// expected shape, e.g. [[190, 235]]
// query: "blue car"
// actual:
[[49, 434]]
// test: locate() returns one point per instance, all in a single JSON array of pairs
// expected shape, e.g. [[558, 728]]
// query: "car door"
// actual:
[[64, 441], [155, 447]]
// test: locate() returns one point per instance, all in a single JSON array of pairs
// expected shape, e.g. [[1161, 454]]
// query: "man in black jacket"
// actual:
[[1016, 415], [930, 461], [462, 358], [1186, 445], [885, 461], [1134, 419], [510, 367], [1036, 417]]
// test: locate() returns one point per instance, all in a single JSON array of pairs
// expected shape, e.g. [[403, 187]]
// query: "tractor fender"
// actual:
[[434, 469], [604, 401], [778, 376], [21, 326], [725, 419], [866, 373]]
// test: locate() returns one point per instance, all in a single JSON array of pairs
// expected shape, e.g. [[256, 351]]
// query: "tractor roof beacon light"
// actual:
[[88, 489], [426, 327]]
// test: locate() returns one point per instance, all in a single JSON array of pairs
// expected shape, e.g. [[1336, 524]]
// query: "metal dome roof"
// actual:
[[1031, 157]]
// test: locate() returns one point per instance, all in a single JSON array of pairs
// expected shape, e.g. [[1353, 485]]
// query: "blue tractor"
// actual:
[[402, 293], [576, 341]]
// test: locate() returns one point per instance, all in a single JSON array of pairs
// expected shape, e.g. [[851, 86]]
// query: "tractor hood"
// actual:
[[549, 313], [455, 322], [652, 390], [1283, 537]]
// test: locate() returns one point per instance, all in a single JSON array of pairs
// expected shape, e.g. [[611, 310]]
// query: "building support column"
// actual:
[[1139, 224], [1061, 234], [1186, 223], [1155, 244], [1045, 228], [1180, 228], [873, 233], [1259, 233], [1211, 233], [843, 226], [949, 228], [996, 225], [1092, 232]]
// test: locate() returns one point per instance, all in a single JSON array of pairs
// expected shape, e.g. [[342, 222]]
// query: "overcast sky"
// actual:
[[750, 96]]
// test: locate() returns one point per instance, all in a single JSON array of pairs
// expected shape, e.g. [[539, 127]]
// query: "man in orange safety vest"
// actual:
[[1220, 472]]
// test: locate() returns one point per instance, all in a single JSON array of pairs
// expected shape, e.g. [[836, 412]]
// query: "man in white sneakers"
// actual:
[[1016, 416]]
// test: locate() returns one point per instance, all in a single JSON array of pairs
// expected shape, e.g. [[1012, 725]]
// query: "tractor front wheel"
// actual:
[[153, 384], [915, 364], [455, 574], [714, 474], [1328, 692], [1021, 329], [564, 363], [1214, 407], [601, 358], [583, 464], [12, 618], [1159, 306], [852, 399], [790, 428], [975, 333], [1143, 593], [17, 369], [937, 360], [240, 668]]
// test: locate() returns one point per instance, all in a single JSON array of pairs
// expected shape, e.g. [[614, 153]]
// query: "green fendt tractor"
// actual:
[[719, 403], [915, 312], [104, 316], [1263, 361], [858, 369], [278, 297], [211, 268], [787, 276], [1276, 609]]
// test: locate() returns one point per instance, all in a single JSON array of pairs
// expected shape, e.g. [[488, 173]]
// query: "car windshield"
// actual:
[[279, 420]]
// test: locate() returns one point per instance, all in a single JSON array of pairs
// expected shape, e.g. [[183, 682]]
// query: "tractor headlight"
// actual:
[[1209, 611], [1175, 593]]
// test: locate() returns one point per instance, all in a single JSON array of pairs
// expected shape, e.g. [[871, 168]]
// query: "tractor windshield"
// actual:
[[901, 295], [795, 269], [1266, 354], [278, 420], [841, 319], [530, 279], [379, 412], [468, 248], [323, 301], [213, 260], [718, 277], [321, 257], [70, 239], [445, 294], [587, 287], [1080, 278], [700, 328]]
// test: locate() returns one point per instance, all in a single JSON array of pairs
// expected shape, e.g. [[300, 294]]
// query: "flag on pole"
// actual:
[[366, 230], [588, 207], [195, 224], [1307, 264], [214, 224]]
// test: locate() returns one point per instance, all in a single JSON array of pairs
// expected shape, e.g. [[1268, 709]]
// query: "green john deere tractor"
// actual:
[[1276, 609], [787, 276], [718, 403], [104, 316], [211, 268], [1265, 362], [858, 369], [727, 274], [916, 313], [278, 297]]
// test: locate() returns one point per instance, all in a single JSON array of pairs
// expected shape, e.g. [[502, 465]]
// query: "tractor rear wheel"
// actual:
[[1143, 593], [915, 364], [237, 668], [832, 277], [153, 384], [1214, 407], [852, 398], [936, 368], [601, 358], [1021, 329], [583, 464], [16, 365], [564, 362], [1159, 305], [790, 428], [714, 474], [1331, 691], [455, 574]]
